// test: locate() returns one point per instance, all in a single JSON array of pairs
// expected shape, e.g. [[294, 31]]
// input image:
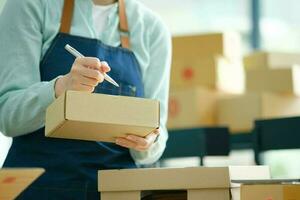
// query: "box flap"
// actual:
[[14, 181], [163, 178]]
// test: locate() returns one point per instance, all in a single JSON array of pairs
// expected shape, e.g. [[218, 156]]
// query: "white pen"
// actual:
[[75, 53]]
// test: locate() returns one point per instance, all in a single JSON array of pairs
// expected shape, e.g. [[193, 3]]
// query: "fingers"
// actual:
[[157, 131], [85, 75], [126, 143], [151, 137], [91, 73], [139, 140], [93, 63], [89, 62], [88, 81], [136, 142]]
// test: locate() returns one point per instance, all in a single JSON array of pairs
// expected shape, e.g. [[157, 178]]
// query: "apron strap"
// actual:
[[67, 16], [124, 32]]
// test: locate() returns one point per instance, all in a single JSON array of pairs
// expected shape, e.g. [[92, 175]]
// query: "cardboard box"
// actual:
[[274, 80], [253, 173], [271, 60], [270, 192], [209, 183], [164, 195], [227, 44], [192, 107], [213, 72], [99, 117], [15, 181], [239, 112]]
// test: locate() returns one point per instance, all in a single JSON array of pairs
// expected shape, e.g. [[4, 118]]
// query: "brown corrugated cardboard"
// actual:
[[192, 107], [199, 182], [212, 72], [14, 181], [270, 192], [271, 60], [239, 112], [274, 80], [226, 44], [246, 173], [99, 117]]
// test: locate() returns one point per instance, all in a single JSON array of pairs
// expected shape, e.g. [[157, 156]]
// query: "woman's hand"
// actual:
[[138, 143], [85, 75]]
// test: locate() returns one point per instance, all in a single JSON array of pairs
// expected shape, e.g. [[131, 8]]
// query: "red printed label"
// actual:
[[188, 73], [9, 180], [173, 107]]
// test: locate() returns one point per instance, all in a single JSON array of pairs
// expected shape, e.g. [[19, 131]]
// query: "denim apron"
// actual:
[[72, 165]]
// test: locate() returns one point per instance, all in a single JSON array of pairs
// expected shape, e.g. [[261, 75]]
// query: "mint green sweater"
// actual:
[[27, 29]]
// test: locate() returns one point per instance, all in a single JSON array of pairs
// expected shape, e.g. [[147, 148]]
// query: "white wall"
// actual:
[[4, 147]]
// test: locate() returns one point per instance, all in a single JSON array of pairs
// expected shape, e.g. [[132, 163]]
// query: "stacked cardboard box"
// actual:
[[267, 189], [203, 68], [270, 60], [272, 86], [284, 80], [216, 73], [240, 111], [270, 192], [273, 72], [192, 106]]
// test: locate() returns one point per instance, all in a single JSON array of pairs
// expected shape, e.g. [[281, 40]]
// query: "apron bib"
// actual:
[[72, 165]]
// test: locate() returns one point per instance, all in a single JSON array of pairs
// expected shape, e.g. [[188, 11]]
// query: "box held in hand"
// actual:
[[99, 117]]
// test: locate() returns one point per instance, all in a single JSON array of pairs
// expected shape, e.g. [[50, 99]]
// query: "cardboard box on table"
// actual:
[[270, 192], [199, 182], [285, 80], [213, 72], [239, 112], [99, 117], [192, 107], [227, 44], [13, 181], [270, 60]]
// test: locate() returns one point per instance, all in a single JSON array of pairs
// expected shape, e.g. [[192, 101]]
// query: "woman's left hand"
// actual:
[[138, 143]]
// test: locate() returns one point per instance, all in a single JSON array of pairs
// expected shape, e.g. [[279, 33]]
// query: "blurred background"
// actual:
[[266, 26]]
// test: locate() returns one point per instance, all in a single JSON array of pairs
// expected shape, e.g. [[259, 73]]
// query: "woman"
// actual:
[[123, 37]]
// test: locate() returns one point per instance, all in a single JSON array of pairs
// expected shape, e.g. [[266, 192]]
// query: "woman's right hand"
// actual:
[[85, 75]]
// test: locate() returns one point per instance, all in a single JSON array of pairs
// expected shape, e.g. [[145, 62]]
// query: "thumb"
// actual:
[[151, 137]]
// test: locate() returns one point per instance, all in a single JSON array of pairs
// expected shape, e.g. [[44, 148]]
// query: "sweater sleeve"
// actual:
[[23, 97], [156, 84]]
